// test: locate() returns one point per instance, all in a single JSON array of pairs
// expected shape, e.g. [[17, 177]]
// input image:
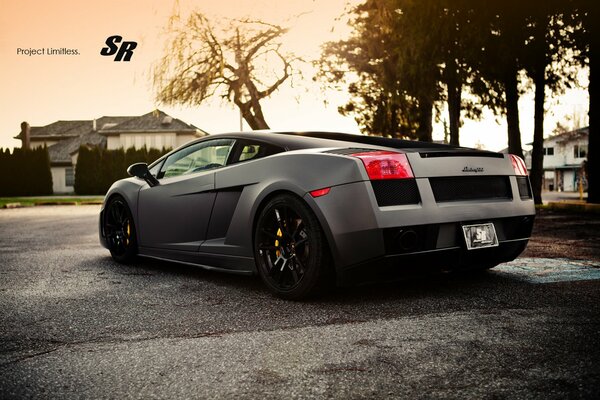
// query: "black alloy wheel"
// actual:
[[119, 230], [290, 248]]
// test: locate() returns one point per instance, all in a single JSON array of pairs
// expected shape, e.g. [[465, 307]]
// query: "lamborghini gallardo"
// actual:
[[305, 210]]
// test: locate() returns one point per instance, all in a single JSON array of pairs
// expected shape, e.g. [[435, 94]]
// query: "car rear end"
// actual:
[[448, 209]]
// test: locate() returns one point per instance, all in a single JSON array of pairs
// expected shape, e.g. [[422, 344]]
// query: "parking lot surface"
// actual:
[[74, 324]]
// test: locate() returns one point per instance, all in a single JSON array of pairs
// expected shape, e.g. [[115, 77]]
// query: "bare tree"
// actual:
[[234, 62]]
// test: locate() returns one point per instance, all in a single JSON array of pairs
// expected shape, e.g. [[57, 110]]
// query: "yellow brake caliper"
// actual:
[[128, 233], [279, 234]]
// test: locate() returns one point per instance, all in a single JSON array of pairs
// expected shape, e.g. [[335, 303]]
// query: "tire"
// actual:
[[290, 249], [119, 230]]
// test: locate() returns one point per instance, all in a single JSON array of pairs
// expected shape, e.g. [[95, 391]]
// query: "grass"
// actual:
[[49, 200], [570, 207]]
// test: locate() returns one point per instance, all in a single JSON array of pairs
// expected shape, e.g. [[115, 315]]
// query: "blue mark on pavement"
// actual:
[[550, 270]]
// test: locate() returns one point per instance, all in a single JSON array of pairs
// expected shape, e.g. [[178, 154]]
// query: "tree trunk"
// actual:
[[255, 120], [425, 116], [259, 118], [251, 109], [511, 92], [454, 102], [593, 156], [454, 87], [537, 154]]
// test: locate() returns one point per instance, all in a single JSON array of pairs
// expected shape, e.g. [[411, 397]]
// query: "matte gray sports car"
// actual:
[[302, 209]]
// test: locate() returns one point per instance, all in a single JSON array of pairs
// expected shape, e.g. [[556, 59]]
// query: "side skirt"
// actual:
[[213, 262]]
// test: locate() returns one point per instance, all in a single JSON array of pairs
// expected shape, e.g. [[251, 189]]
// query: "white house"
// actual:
[[155, 129], [564, 155]]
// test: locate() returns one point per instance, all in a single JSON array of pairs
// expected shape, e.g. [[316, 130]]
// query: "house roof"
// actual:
[[154, 121], [572, 135], [61, 152], [568, 136], [73, 134], [60, 129], [108, 121]]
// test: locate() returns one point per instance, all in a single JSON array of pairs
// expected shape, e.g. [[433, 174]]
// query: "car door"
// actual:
[[175, 213]]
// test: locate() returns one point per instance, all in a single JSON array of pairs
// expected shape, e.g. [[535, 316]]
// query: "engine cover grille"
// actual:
[[459, 188], [395, 192]]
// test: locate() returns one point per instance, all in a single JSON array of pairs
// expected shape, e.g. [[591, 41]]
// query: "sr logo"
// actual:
[[123, 53]]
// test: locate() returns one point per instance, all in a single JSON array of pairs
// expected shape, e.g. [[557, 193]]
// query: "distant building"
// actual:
[[564, 156], [63, 139]]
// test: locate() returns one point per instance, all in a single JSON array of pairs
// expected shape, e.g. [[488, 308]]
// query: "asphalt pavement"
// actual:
[[74, 324]]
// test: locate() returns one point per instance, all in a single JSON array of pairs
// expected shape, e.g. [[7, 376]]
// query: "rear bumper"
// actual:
[[435, 247], [361, 233], [397, 266]]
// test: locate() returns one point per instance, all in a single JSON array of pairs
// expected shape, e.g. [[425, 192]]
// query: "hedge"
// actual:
[[25, 172], [97, 168]]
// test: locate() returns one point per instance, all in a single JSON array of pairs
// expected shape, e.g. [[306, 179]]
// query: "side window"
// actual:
[[156, 168], [250, 150], [201, 156]]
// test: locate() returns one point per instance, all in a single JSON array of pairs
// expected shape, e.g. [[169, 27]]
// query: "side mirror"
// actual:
[[140, 170]]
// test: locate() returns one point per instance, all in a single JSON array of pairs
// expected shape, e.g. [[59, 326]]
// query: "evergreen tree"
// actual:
[[83, 171]]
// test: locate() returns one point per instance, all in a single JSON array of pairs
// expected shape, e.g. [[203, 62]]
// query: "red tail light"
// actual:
[[385, 165], [518, 165]]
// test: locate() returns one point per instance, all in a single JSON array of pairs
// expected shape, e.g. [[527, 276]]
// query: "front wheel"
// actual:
[[119, 230], [290, 248]]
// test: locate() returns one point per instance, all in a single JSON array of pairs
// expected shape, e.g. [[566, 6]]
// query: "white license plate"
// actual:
[[479, 236]]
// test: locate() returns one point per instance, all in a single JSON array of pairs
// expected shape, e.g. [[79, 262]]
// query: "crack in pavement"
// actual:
[[216, 334]]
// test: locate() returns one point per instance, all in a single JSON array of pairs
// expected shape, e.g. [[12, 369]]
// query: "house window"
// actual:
[[580, 151], [69, 176], [548, 151]]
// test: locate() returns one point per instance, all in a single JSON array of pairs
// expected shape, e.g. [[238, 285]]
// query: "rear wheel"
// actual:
[[290, 248], [119, 230]]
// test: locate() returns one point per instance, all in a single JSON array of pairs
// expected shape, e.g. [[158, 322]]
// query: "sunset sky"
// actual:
[[43, 89]]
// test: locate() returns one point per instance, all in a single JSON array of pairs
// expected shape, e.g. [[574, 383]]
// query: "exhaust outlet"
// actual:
[[408, 240]]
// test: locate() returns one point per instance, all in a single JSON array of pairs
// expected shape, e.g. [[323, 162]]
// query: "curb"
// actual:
[[56, 203], [574, 206], [51, 203]]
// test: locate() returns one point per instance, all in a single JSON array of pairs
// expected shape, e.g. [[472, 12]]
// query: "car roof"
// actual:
[[319, 139], [291, 141], [315, 139]]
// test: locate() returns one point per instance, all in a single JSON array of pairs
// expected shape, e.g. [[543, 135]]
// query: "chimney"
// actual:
[[94, 126], [25, 135]]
